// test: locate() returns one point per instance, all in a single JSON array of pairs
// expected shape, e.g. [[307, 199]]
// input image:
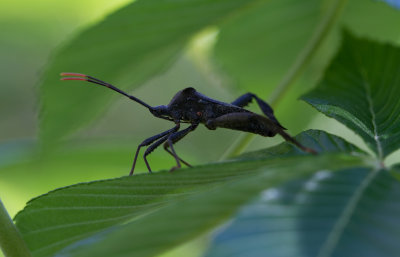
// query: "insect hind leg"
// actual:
[[245, 99], [245, 121]]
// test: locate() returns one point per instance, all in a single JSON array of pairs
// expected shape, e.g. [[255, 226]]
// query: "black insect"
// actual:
[[189, 106]]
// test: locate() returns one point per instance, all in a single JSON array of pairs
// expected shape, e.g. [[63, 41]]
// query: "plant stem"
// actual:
[[11, 242], [299, 64]]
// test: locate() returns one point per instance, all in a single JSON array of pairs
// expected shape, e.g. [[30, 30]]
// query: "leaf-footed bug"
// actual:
[[189, 106]]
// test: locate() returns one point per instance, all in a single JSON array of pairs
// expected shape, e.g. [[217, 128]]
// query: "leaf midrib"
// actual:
[[366, 86], [373, 119], [339, 227]]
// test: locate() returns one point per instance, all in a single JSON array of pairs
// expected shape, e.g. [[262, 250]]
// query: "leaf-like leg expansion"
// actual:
[[245, 121], [253, 123], [175, 137], [150, 140], [245, 99]]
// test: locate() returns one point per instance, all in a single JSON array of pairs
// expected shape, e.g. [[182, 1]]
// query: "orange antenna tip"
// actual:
[[72, 74]]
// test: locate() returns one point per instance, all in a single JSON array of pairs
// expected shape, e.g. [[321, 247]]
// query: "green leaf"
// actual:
[[61, 217], [257, 47], [198, 213], [360, 89], [319, 140], [126, 49], [353, 212], [64, 216], [356, 16]]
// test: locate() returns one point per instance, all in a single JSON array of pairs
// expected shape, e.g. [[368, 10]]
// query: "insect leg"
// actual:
[[175, 137], [150, 140], [245, 121], [253, 123], [151, 149], [245, 99]]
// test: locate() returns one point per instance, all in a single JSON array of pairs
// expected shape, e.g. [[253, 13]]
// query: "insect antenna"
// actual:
[[78, 76]]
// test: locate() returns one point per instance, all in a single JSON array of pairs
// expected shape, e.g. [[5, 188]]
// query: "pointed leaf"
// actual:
[[360, 89]]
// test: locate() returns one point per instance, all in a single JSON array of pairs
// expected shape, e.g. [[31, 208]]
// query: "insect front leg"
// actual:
[[175, 137], [245, 99], [149, 141]]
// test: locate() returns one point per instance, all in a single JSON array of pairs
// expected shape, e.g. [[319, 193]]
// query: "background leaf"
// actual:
[[257, 59], [359, 89], [353, 212], [125, 49], [275, 26]]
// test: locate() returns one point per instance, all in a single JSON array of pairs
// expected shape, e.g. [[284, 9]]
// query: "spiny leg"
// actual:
[[245, 99], [175, 137], [150, 140]]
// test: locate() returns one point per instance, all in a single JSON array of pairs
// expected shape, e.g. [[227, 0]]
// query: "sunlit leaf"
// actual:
[[360, 89], [356, 17], [257, 58]]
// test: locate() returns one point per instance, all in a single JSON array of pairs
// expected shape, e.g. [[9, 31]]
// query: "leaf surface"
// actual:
[[318, 140], [360, 89], [353, 212], [185, 219], [74, 212]]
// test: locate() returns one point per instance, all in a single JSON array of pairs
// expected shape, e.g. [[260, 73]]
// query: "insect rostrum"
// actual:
[[190, 106]]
